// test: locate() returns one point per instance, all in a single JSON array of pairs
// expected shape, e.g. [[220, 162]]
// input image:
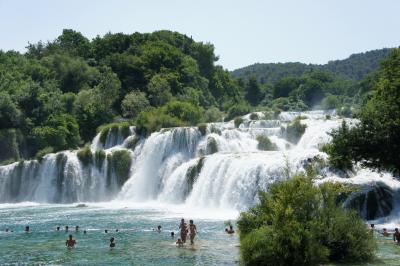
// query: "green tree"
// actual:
[[134, 103], [159, 90], [253, 91]]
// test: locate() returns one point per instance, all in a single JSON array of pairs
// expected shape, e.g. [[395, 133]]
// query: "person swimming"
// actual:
[[159, 228], [179, 242], [84, 232], [58, 228], [184, 231], [77, 228], [106, 231], [66, 228], [172, 234], [230, 231], [193, 231], [27, 229], [116, 230], [70, 243], [396, 236], [112, 242]]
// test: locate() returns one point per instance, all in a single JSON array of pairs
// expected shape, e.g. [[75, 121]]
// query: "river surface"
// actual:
[[136, 242]]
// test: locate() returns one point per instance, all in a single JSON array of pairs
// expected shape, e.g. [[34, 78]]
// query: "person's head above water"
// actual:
[[77, 227], [58, 228], [106, 231], [231, 227], [112, 239], [70, 237], [159, 227], [172, 233], [372, 225], [26, 228], [66, 228], [226, 229]]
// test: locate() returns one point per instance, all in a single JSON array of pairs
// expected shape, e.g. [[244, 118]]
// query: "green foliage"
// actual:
[[114, 128], [295, 130], [297, 223], [9, 112], [184, 111], [202, 128], [85, 155], [254, 116], [212, 145], [154, 120], [159, 90], [134, 103], [9, 145], [253, 91], [213, 114], [330, 102], [237, 121], [41, 153], [131, 144], [237, 110], [265, 144], [99, 157], [374, 141], [120, 163]]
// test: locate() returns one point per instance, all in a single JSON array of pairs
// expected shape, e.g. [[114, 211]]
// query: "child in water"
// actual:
[[179, 242]]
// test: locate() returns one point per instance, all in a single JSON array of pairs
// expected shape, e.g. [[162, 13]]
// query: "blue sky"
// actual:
[[243, 32]]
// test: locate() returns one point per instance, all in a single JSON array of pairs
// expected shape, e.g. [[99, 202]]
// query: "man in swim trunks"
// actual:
[[396, 236], [70, 243], [193, 231], [183, 228]]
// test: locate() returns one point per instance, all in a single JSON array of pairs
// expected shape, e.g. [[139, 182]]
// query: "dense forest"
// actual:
[[58, 94], [356, 67]]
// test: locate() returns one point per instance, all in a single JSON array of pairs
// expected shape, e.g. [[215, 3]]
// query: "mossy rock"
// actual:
[[212, 145], [85, 155], [265, 144], [294, 131], [192, 174], [99, 157], [237, 121], [375, 203], [120, 163], [131, 144], [202, 128], [254, 116]]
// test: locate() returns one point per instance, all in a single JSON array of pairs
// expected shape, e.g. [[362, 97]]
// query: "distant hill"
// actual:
[[355, 67]]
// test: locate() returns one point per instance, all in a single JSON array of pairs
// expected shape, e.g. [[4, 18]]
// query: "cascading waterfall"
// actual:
[[219, 167]]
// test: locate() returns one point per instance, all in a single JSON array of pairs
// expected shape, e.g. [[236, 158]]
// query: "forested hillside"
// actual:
[[356, 67], [58, 94]]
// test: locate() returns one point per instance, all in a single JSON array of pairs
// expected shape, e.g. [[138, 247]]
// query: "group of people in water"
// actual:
[[385, 233], [184, 229]]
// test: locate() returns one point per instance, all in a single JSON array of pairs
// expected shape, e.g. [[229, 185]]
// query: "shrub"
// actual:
[[213, 114], [120, 163], [237, 110], [265, 144], [131, 144], [295, 130], [202, 128], [184, 111], [238, 120], [85, 155], [134, 103], [41, 153], [298, 223], [154, 120], [115, 128]]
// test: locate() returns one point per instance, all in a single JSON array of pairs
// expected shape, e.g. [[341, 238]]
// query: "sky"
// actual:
[[243, 32]]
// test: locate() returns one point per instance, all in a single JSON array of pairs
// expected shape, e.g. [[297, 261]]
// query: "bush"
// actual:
[[237, 110], [265, 144], [184, 111], [238, 120], [295, 130], [134, 103], [202, 128], [154, 120], [298, 223], [9, 145], [85, 155], [131, 144], [115, 128], [213, 114], [41, 153], [120, 163]]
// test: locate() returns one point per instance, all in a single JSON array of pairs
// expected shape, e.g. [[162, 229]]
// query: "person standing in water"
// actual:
[[183, 229], [27, 229], [193, 231], [70, 243], [396, 236], [112, 242]]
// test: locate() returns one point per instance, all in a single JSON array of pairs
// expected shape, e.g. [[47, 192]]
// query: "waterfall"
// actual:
[[221, 166]]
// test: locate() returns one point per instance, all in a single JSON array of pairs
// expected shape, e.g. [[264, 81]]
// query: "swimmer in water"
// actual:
[[77, 228], [230, 231], [27, 229], [112, 242], [106, 231], [385, 232], [70, 243], [172, 234], [58, 228], [159, 228], [66, 228], [84, 232], [396, 236]]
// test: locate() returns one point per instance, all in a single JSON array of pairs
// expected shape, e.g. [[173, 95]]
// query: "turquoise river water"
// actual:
[[136, 242]]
